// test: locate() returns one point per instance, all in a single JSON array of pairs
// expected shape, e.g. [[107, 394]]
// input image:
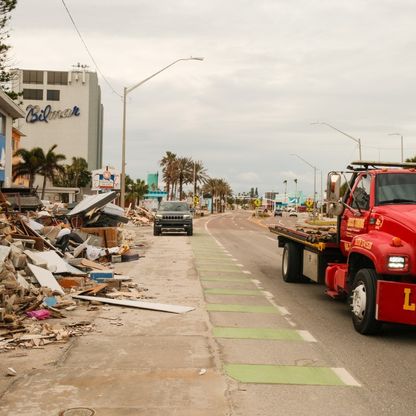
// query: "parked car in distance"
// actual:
[[173, 216], [278, 212]]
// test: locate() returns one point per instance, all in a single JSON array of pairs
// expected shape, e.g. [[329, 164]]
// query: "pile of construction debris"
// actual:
[[46, 260], [140, 216]]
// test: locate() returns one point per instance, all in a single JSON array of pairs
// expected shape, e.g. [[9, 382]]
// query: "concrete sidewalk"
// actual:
[[137, 362]]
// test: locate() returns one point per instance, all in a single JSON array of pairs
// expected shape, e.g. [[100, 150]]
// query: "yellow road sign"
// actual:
[[196, 200], [257, 202]]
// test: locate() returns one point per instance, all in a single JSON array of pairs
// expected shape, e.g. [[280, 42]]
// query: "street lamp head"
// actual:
[[196, 58]]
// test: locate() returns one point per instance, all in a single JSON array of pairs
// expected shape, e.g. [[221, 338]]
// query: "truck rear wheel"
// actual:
[[292, 263], [363, 302]]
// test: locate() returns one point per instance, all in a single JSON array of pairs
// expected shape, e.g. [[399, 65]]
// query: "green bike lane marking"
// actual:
[[220, 307], [262, 334], [262, 373], [289, 374], [231, 292], [223, 279]]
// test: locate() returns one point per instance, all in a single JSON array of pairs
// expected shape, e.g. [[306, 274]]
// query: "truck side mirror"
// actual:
[[333, 187]]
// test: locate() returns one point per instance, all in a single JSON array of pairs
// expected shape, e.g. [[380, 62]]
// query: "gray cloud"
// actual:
[[271, 68]]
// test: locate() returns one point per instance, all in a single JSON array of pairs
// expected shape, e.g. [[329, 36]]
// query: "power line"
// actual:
[[88, 51]]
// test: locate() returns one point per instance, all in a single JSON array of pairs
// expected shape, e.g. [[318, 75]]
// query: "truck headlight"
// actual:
[[159, 216], [396, 262], [186, 217]]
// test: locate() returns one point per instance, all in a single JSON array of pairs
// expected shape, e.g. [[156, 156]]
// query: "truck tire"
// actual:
[[292, 263], [363, 302], [156, 231], [190, 231]]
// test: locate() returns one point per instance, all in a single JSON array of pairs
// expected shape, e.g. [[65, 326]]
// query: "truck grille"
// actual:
[[173, 217]]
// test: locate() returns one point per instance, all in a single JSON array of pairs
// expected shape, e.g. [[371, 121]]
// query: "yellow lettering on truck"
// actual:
[[407, 305]]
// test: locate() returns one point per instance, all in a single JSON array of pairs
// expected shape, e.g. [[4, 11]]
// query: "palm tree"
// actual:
[[168, 164], [210, 187], [49, 165], [184, 171], [75, 175], [219, 190], [223, 191], [200, 174], [135, 190], [79, 171], [29, 165]]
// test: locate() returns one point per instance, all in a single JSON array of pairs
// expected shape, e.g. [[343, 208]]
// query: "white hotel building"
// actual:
[[63, 108]]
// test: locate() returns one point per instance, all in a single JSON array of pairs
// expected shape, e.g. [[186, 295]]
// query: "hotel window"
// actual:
[[52, 95], [32, 94], [57, 78], [33, 77]]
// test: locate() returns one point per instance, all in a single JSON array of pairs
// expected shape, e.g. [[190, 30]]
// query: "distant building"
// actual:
[[62, 108], [9, 111], [153, 191]]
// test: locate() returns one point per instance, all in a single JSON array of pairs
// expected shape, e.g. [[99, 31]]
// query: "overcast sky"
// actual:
[[271, 68]]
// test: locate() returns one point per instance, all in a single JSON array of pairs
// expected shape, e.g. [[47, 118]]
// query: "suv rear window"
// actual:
[[174, 206]]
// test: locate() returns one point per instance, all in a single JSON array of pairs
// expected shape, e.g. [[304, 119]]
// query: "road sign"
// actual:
[[196, 200], [257, 202]]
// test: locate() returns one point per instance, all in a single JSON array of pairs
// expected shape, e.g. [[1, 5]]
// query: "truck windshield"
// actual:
[[174, 206], [396, 188]]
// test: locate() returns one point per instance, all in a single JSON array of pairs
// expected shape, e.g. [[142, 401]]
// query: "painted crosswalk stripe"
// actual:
[[288, 374]]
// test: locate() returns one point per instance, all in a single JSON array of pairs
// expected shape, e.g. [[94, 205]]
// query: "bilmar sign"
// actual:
[[35, 113]]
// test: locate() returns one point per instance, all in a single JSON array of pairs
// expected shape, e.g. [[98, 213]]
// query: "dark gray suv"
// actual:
[[173, 216]]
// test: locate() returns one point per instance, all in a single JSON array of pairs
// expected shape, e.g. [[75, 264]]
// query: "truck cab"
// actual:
[[377, 236], [369, 257]]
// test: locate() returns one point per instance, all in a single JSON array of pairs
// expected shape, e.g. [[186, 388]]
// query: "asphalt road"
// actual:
[[383, 365]]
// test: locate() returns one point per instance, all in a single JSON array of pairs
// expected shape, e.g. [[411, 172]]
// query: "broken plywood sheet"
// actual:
[[138, 304], [45, 278], [93, 264]]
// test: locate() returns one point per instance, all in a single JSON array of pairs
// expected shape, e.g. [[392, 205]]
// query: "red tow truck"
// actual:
[[369, 257]]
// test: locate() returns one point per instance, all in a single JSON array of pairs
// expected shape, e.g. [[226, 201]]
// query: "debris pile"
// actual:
[[46, 260], [141, 216]]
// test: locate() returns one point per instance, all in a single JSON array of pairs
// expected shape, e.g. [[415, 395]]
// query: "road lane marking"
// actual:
[[346, 377], [306, 335], [270, 238], [285, 374], [220, 307], [246, 272]]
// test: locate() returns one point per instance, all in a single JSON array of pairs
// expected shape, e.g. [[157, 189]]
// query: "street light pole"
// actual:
[[296, 194], [401, 143], [357, 140], [314, 178], [285, 183], [127, 90]]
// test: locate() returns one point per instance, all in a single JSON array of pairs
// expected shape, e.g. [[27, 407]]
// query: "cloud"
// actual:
[[271, 68]]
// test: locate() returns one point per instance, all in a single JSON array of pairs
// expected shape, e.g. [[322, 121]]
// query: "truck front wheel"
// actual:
[[291, 263], [363, 302]]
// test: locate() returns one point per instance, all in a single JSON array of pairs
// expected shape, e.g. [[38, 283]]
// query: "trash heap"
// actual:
[[48, 263], [141, 216]]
